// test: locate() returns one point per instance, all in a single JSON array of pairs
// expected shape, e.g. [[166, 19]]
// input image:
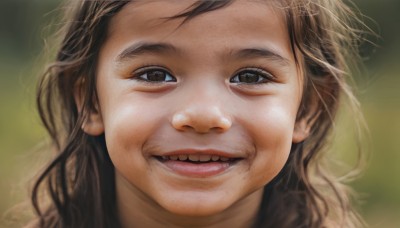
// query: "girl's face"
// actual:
[[202, 116]]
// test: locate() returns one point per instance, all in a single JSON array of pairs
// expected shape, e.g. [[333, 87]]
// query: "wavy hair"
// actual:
[[79, 182]]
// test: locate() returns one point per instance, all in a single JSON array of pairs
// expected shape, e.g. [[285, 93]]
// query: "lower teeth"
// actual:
[[164, 158]]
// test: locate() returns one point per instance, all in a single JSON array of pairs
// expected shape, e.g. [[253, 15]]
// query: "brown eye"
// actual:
[[155, 75], [252, 76]]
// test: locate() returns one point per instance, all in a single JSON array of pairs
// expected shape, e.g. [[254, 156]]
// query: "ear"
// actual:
[[303, 126], [93, 122], [301, 130]]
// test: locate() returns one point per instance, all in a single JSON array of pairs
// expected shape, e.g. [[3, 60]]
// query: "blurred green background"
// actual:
[[24, 25]]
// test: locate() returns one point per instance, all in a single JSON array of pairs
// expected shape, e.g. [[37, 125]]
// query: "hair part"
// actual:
[[80, 180]]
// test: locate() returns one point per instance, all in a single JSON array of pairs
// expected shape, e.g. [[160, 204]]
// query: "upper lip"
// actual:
[[202, 152]]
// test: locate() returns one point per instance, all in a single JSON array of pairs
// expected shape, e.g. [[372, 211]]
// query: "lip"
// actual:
[[198, 169], [201, 152]]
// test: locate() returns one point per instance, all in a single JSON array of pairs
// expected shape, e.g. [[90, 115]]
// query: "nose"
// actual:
[[201, 118]]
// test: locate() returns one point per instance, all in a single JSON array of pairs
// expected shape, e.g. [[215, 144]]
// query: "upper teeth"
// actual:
[[196, 158]]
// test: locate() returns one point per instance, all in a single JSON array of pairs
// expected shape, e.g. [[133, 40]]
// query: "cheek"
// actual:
[[271, 129], [127, 126]]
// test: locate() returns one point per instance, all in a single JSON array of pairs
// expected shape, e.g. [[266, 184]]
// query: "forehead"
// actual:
[[166, 8], [242, 23]]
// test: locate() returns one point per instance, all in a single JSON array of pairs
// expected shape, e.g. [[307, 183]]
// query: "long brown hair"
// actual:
[[79, 181]]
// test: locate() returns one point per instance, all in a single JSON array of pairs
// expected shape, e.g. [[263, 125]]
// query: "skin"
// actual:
[[202, 108]]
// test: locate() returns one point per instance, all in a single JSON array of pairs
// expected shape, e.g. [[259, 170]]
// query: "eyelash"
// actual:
[[152, 68], [258, 71], [264, 76]]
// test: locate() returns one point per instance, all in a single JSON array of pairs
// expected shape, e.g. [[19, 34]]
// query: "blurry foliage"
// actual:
[[22, 24]]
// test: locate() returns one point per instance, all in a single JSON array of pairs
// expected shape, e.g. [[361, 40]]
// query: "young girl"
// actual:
[[196, 114]]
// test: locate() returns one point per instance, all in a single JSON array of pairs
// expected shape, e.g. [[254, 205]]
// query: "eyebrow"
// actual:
[[145, 48], [164, 48], [250, 53]]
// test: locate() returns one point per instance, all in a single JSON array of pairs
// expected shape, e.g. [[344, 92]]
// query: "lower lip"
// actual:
[[197, 170]]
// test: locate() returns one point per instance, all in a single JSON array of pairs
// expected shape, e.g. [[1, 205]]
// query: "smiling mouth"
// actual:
[[197, 158], [197, 165]]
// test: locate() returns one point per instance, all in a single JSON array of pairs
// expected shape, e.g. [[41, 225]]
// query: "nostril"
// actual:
[[217, 129], [224, 123], [179, 121], [186, 127], [201, 121]]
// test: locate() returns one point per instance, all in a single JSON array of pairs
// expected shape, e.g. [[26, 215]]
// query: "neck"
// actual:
[[136, 209]]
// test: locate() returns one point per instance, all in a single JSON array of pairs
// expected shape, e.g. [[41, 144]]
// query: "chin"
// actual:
[[196, 207]]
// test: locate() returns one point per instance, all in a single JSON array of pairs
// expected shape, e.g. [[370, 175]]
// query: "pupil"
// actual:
[[248, 77], [156, 76]]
